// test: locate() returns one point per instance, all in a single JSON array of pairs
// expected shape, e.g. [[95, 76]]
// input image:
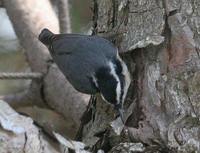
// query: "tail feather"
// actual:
[[46, 37]]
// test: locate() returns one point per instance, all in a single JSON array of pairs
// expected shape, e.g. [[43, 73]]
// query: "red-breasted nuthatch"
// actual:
[[91, 64]]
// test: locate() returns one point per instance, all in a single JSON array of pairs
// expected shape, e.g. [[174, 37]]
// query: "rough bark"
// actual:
[[18, 134], [161, 48], [28, 18]]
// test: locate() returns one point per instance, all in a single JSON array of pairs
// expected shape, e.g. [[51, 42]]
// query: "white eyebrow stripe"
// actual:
[[114, 74], [127, 79]]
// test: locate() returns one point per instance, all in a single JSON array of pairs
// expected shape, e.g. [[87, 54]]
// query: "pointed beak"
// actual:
[[121, 114]]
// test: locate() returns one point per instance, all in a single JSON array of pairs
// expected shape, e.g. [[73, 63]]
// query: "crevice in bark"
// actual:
[[115, 13], [42, 89], [95, 17], [25, 142], [198, 52], [136, 88], [39, 138], [42, 93], [126, 13], [167, 34], [103, 142], [171, 13]]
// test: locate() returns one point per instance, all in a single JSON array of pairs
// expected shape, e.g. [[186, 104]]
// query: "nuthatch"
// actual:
[[91, 64]]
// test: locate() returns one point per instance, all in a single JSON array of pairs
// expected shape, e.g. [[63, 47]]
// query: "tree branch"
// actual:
[[53, 89], [64, 16]]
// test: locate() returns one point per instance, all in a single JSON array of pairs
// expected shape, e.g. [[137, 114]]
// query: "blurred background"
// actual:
[[12, 58]]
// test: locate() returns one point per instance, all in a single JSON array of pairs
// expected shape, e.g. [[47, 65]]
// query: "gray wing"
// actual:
[[71, 43], [80, 56]]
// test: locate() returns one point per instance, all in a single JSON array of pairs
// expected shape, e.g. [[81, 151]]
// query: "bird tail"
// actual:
[[46, 37]]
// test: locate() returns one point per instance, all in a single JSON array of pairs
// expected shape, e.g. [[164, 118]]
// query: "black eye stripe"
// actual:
[[107, 84], [118, 66], [122, 80]]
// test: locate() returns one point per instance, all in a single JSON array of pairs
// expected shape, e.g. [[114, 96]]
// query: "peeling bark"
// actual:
[[19, 134]]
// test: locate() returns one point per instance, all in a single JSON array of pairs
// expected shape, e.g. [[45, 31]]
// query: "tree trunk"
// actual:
[[161, 49]]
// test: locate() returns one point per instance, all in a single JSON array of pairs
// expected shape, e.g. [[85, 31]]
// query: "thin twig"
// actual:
[[20, 75]]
